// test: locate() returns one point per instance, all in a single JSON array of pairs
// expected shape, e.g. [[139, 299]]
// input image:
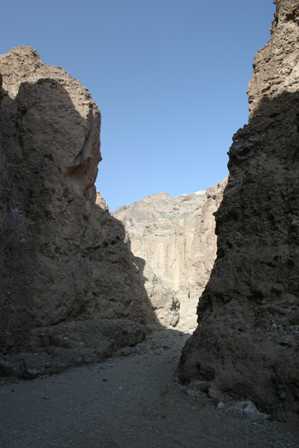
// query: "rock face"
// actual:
[[174, 238], [70, 287], [247, 341]]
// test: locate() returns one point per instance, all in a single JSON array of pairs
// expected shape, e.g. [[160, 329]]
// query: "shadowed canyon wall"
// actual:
[[175, 238], [70, 290], [247, 341]]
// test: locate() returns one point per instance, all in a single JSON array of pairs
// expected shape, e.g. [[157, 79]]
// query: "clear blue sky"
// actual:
[[169, 76]]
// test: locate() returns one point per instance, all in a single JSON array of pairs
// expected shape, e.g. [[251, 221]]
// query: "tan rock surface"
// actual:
[[247, 341], [175, 239], [70, 286]]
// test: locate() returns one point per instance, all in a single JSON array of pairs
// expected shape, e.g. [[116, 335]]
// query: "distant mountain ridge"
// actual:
[[175, 236]]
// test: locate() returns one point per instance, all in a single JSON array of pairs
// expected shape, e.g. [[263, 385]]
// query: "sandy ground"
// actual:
[[130, 401]]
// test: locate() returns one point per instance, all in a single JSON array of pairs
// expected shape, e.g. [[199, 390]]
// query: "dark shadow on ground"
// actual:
[[128, 401]]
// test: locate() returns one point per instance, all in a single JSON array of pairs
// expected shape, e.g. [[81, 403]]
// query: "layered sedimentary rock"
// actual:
[[174, 238], [70, 287], [247, 341]]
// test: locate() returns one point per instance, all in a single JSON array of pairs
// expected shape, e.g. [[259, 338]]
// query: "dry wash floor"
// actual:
[[127, 402]]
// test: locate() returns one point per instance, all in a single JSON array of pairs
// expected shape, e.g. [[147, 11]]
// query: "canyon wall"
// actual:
[[247, 341], [174, 238], [71, 290]]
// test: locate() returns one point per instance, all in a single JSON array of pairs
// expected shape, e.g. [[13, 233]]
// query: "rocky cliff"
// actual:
[[71, 290], [247, 341], [174, 238]]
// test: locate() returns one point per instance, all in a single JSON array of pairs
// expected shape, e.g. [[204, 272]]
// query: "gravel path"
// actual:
[[127, 402]]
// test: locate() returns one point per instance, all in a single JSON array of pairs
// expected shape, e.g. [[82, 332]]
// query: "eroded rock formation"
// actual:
[[247, 341], [174, 237], [70, 288]]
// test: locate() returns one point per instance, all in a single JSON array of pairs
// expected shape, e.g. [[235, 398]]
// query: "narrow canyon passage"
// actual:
[[129, 401], [111, 300]]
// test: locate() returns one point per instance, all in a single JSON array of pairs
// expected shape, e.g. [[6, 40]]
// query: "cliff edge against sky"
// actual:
[[247, 341]]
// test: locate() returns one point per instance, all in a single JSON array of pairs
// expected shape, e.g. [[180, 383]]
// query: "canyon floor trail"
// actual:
[[129, 401]]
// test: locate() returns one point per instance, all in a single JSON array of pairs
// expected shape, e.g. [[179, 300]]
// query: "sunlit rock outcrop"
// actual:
[[174, 237]]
